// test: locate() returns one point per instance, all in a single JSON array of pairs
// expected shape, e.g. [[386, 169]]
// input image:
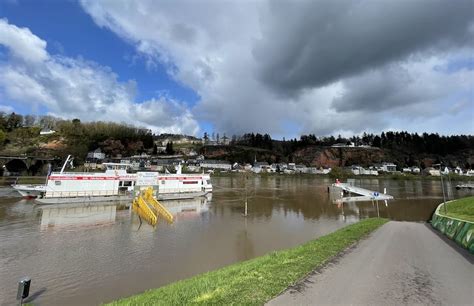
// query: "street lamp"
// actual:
[[442, 188]]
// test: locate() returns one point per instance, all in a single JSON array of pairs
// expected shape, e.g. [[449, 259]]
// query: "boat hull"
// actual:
[[116, 198], [29, 191]]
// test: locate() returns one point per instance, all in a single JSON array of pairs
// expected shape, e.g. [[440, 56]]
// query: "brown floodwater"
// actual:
[[86, 255]]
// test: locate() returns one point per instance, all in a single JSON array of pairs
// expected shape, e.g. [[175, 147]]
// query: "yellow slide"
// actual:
[[147, 207]]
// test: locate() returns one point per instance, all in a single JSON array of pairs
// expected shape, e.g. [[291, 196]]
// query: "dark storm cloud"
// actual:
[[308, 44], [381, 89]]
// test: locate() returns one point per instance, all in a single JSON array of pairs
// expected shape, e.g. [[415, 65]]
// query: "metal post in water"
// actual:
[[23, 289], [444, 196]]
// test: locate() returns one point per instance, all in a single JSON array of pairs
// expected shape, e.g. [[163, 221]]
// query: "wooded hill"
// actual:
[[21, 135]]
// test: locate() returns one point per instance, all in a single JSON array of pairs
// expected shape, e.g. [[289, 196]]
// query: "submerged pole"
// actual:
[[444, 196]]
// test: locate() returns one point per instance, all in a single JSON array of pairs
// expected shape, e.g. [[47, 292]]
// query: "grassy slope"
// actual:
[[258, 280], [461, 209]]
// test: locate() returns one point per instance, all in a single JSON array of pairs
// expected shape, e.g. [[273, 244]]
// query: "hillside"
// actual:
[[22, 135], [324, 156]]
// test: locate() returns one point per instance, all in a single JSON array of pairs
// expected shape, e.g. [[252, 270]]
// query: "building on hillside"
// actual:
[[95, 155], [225, 140], [47, 131], [291, 166], [301, 169], [358, 170], [458, 171], [216, 164], [261, 167], [178, 140], [321, 171], [387, 167], [432, 171], [278, 167], [165, 164]]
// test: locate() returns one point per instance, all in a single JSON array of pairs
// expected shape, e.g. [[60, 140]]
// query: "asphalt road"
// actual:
[[402, 263]]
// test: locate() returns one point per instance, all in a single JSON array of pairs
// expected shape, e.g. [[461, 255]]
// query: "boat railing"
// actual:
[[180, 190], [72, 194], [77, 173]]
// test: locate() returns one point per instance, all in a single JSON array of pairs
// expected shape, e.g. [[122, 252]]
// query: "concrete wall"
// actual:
[[460, 231]]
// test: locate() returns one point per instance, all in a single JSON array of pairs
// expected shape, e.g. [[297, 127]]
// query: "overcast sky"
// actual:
[[279, 67]]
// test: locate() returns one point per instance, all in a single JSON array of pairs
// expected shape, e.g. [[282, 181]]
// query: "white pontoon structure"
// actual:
[[343, 191]]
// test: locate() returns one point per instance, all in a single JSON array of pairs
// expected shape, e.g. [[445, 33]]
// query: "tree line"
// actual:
[[77, 137], [427, 143]]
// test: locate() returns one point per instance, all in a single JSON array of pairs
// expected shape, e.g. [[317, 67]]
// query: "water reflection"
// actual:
[[61, 216]]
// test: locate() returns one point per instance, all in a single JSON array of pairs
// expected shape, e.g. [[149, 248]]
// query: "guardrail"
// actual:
[[458, 230]]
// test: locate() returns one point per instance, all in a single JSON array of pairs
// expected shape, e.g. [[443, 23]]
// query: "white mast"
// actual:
[[64, 166]]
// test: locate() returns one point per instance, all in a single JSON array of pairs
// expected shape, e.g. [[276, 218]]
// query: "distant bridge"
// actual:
[[24, 164]]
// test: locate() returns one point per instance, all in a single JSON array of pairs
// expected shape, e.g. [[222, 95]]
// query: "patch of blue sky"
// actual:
[[70, 32], [457, 64], [289, 130], [206, 126]]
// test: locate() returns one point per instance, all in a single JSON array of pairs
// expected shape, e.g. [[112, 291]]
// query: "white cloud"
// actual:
[[6, 109], [217, 48], [23, 44], [72, 88]]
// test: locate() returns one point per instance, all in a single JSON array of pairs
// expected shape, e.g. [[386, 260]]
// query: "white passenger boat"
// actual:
[[117, 185]]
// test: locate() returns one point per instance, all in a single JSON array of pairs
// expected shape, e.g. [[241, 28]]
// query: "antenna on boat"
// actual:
[[65, 163]]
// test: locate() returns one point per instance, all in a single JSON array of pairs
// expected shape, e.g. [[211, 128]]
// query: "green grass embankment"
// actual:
[[257, 280], [459, 209]]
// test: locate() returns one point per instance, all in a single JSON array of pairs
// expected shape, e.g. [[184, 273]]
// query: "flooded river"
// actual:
[[80, 255]]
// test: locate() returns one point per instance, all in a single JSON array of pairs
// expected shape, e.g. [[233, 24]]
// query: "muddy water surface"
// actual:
[[84, 255]]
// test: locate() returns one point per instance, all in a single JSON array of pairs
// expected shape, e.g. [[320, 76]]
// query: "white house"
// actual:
[[388, 167], [458, 171], [46, 131], [216, 164], [358, 170], [301, 169], [321, 171], [445, 171], [261, 167], [96, 154], [432, 171]]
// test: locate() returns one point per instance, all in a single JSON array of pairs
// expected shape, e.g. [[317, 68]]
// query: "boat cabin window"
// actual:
[[190, 182], [163, 182], [57, 183]]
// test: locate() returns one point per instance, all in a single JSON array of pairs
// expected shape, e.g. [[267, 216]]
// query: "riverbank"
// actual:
[[394, 176], [258, 280], [460, 209], [456, 221]]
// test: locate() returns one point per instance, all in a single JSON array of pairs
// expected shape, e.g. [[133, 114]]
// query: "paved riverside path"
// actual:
[[401, 263]]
